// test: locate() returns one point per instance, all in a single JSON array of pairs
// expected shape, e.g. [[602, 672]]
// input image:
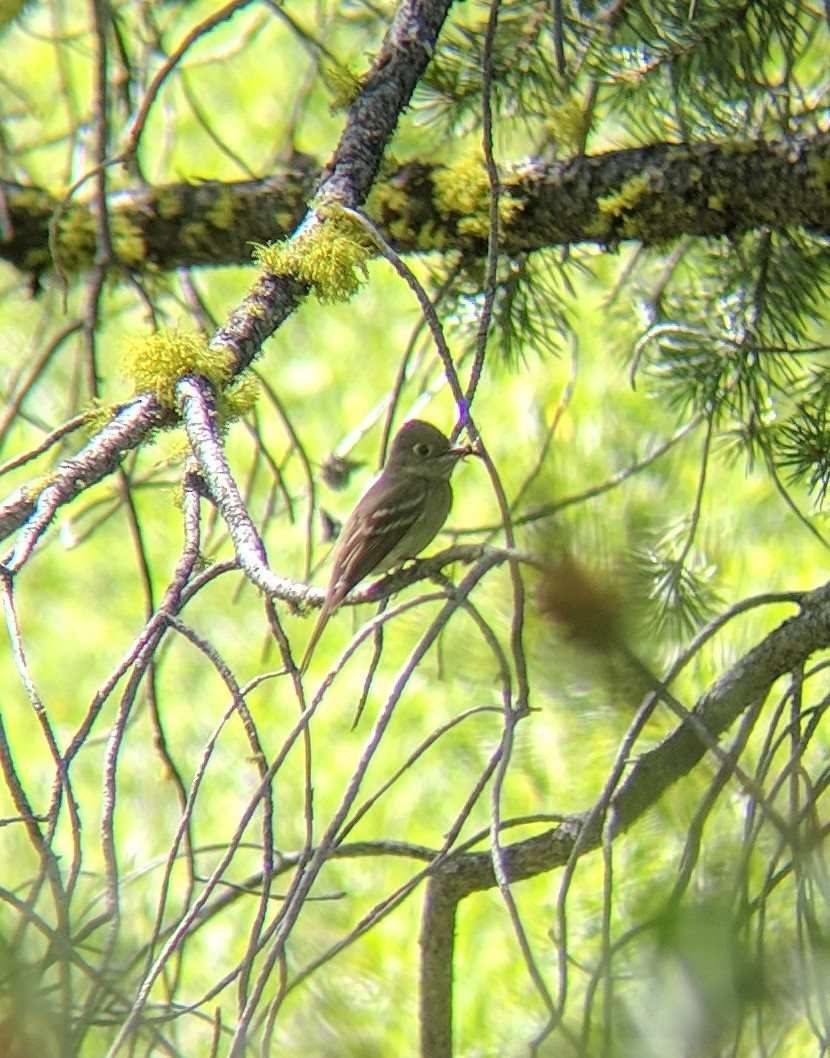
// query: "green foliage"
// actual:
[[802, 447], [524, 77], [711, 71], [739, 321], [530, 309], [668, 451], [680, 583]]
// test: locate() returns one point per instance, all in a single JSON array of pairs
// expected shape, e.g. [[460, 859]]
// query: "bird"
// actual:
[[396, 518]]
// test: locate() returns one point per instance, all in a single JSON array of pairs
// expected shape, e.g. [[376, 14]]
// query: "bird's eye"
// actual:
[[421, 449]]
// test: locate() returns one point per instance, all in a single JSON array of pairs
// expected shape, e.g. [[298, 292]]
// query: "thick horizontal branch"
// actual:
[[652, 194], [168, 227], [664, 191]]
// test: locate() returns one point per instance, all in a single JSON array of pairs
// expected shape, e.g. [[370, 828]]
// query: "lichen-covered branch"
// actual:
[[652, 194], [385, 93]]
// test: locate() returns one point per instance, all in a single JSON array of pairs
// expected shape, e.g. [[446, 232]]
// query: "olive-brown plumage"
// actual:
[[396, 518]]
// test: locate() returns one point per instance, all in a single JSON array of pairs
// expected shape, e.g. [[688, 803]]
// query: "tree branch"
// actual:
[[37, 504], [750, 680], [652, 194], [385, 93]]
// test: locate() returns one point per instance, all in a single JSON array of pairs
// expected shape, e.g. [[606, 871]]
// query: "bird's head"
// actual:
[[419, 448]]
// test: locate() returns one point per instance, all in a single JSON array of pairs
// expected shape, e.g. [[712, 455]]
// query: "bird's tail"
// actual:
[[325, 613]]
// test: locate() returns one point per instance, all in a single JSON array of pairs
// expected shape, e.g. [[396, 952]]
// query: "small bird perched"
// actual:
[[396, 518]]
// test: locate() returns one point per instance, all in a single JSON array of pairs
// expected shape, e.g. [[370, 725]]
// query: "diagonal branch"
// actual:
[[747, 683], [387, 88], [385, 93], [36, 505]]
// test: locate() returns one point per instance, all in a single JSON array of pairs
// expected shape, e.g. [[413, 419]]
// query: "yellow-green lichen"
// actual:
[[624, 208], [627, 199], [432, 236], [389, 164], [463, 189], [156, 363], [599, 228], [565, 124], [173, 449], [77, 240], [329, 254], [284, 219], [127, 241], [168, 204], [33, 201], [343, 85], [238, 398], [819, 169], [194, 235], [390, 204], [97, 416], [36, 259], [385, 196], [398, 231], [223, 212], [33, 488]]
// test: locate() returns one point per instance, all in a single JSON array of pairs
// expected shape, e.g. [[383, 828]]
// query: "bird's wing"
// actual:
[[371, 537], [370, 541]]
